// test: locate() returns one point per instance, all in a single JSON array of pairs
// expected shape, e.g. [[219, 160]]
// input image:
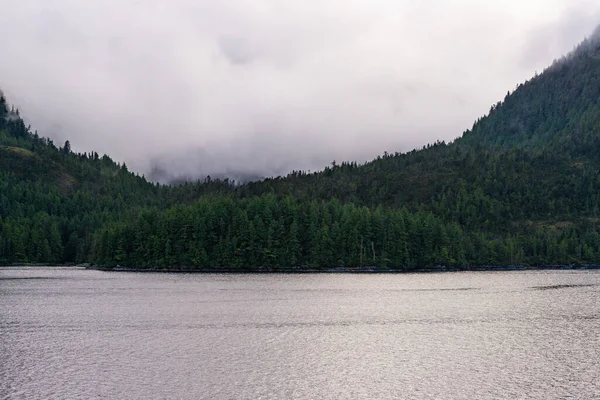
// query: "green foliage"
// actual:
[[218, 232]]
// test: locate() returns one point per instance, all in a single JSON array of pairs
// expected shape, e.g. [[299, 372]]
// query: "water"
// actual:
[[77, 334]]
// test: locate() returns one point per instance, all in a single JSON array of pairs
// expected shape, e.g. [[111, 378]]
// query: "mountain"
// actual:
[[520, 187], [540, 144]]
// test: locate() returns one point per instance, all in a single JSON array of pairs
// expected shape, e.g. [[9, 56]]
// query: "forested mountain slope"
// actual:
[[52, 200], [522, 186], [535, 156]]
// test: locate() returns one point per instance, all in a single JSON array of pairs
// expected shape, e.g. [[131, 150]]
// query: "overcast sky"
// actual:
[[266, 86]]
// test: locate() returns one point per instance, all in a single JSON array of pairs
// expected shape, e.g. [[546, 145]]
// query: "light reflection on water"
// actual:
[[71, 333]]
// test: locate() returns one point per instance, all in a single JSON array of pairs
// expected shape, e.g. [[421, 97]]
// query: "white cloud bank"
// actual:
[[262, 87]]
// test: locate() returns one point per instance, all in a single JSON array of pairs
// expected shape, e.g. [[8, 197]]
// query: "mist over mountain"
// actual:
[[519, 187], [259, 89]]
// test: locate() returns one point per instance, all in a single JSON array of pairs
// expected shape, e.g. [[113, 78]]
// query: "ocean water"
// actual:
[[68, 333]]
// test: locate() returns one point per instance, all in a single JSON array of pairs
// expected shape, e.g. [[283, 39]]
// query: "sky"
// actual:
[[251, 88]]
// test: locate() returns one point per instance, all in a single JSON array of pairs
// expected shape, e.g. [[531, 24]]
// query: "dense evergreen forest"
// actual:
[[521, 187]]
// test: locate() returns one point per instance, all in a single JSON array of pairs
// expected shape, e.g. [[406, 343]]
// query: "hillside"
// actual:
[[52, 200], [535, 156], [520, 187]]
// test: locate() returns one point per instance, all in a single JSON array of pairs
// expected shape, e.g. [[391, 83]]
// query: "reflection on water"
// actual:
[[72, 333]]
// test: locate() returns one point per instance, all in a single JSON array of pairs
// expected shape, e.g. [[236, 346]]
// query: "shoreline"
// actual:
[[305, 270], [345, 270]]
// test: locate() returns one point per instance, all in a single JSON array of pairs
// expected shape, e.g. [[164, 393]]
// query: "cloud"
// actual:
[[555, 38], [262, 87]]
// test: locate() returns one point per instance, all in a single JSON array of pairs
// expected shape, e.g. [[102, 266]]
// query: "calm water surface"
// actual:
[[77, 334]]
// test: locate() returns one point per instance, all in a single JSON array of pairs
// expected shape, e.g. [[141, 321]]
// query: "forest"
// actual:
[[520, 187]]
